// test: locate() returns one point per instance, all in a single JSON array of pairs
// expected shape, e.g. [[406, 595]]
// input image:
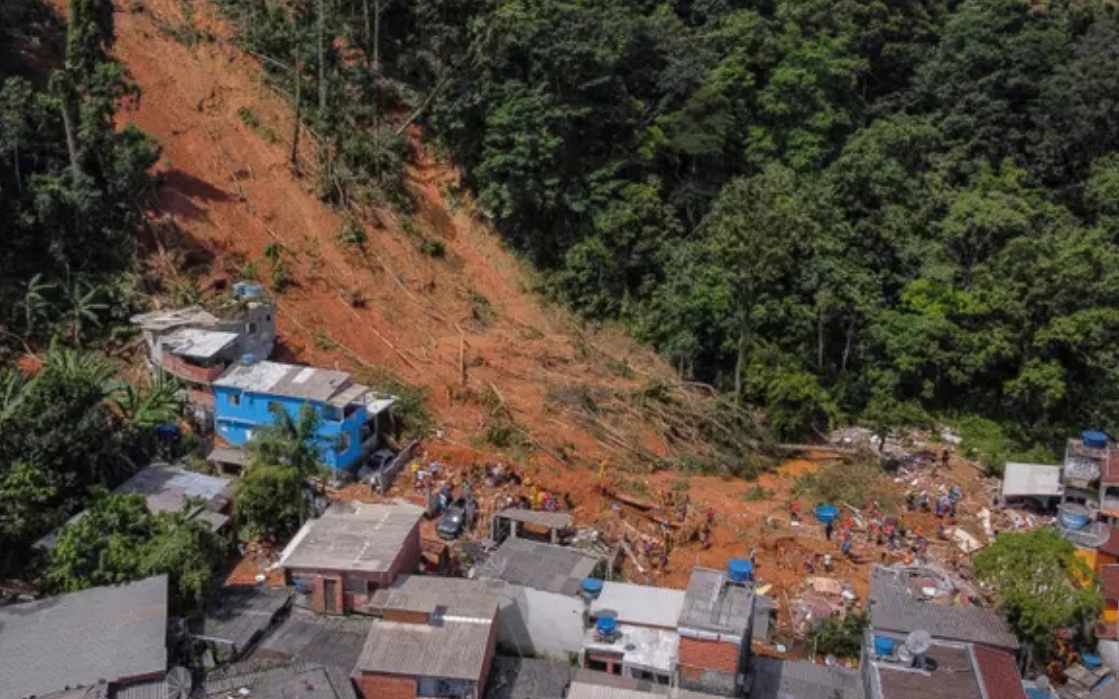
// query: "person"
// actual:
[[710, 516], [705, 536], [944, 457], [753, 556], [910, 500], [939, 509], [827, 562], [846, 548], [828, 528], [810, 566], [794, 512], [602, 470]]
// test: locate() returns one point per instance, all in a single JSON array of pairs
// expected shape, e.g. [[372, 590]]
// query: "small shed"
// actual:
[[1040, 482], [531, 524]]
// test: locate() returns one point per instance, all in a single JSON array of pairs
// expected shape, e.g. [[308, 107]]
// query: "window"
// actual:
[[252, 328], [235, 399], [268, 318], [331, 413], [357, 586]]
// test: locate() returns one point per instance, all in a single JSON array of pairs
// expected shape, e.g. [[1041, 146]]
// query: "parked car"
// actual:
[[458, 516], [376, 461]]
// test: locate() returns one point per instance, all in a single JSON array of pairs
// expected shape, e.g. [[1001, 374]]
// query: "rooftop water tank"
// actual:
[[827, 514], [1073, 516], [592, 587], [252, 291], [884, 647], [1092, 662], [1093, 439], [247, 359], [606, 625], [740, 570]]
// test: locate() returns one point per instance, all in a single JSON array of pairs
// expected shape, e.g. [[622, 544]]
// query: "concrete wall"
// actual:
[[540, 623]]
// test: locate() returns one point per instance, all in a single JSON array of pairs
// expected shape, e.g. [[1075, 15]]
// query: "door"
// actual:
[[330, 593]]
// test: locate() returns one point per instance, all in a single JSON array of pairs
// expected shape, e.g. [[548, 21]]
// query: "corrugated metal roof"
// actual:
[[954, 677], [640, 604], [893, 608], [780, 679], [456, 597], [279, 680], [581, 689], [287, 380], [540, 566], [454, 650], [151, 689], [353, 537], [1020, 480], [198, 343], [166, 488], [713, 604], [348, 395], [527, 678], [242, 614], [105, 633], [314, 638]]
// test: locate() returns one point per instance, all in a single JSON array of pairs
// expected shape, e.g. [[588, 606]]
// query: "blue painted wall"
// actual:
[[237, 413]]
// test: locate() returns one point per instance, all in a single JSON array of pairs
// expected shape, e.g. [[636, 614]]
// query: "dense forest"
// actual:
[[834, 210]]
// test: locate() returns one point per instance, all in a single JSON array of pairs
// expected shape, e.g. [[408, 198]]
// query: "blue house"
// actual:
[[352, 416]]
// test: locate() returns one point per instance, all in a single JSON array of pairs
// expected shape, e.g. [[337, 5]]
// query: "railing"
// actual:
[[189, 372]]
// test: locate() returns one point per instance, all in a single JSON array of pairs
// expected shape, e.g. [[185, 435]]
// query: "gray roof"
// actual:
[[539, 566], [440, 596], [167, 487], [314, 638], [955, 677], [148, 689], [713, 604], [289, 380], [527, 678], [453, 650], [778, 679], [198, 343], [640, 604], [173, 318], [894, 607], [279, 680], [228, 455], [104, 633], [548, 520], [242, 614], [353, 537]]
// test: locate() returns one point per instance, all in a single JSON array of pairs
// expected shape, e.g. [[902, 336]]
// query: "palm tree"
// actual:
[[83, 366], [85, 307], [288, 441], [13, 388], [35, 304], [159, 404]]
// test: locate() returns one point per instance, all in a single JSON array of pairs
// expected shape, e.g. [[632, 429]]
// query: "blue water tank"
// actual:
[[606, 625], [247, 359], [592, 587], [239, 288], [1073, 516], [740, 570], [884, 647], [1093, 439], [826, 514], [1035, 693], [252, 291], [1092, 662]]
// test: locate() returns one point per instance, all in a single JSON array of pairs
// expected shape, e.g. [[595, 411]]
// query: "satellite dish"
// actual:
[[179, 683], [918, 642]]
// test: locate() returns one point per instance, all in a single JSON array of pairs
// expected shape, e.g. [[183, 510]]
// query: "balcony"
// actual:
[[188, 372]]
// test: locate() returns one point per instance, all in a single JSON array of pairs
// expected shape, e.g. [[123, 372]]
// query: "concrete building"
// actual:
[[196, 346], [110, 638], [168, 488], [715, 628], [353, 418], [550, 527], [1039, 483], [540, 566], [436, 637], [351, 551]]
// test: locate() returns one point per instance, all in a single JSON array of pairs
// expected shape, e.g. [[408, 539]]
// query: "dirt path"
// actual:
[[228, 192]]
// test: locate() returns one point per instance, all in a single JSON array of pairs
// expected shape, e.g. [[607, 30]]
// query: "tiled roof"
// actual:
[[894, 608], [999, 673], [540, 566], [1109, 582], [709, 655], [105, 633]]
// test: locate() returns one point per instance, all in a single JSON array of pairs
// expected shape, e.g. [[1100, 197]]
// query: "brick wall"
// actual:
[[408, 560], [406, 617], [386, 686], [708, 655]]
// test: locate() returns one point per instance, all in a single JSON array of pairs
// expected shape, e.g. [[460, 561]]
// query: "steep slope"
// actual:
[[465, 325]]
